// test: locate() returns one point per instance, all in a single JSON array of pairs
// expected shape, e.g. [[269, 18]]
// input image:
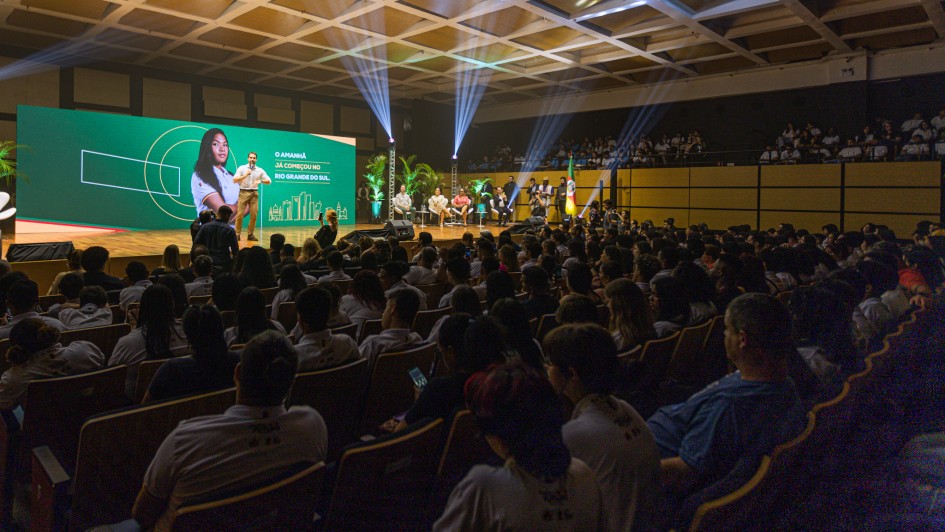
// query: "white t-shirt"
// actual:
[[244, 445], [131, 350], [90, 315], [613, 440], [420, 275], [202, 286], [389, 341], [358, 312], [401, 285], [132, 294], [201, 189], [508, 498], [52, 322], [321, 350]]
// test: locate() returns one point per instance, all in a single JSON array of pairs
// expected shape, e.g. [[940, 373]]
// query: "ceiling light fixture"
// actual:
[[611, 11]]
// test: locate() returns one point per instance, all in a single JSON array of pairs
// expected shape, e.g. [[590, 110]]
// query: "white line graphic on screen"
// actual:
[[300, 208], [83, 180]]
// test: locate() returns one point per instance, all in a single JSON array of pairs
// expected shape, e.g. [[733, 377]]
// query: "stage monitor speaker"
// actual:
[[532, 223], [402, 229], [41, 251]]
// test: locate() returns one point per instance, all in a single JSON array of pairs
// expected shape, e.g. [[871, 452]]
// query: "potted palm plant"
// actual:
[[375, 177], [420, 179], [476, 187], [8, 175]]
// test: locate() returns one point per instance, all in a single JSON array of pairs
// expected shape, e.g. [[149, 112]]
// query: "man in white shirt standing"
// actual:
[[256, 438], [249, 177]]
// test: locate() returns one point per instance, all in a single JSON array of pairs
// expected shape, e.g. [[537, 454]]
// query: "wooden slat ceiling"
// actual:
[[524, 48]]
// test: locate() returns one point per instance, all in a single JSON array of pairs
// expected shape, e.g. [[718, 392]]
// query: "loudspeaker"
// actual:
[[535, 220], [374, 234], [402, 229], [42, 251]]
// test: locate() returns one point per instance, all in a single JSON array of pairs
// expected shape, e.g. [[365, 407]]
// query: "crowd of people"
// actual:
[[612, 459], [599, 153], [915, 139]]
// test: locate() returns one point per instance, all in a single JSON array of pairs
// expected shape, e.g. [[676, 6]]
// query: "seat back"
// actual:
[[688, 362], [228, 317], [336, 394], [368, 328], [545, 324], [105, 337], [115, 450], [47, 301], [350, 329], [54, 410], [434, 292], [627, 355], [286, 315], [284, 503], [270, 293], [343, 285], [385, 481], [199, 300], [425, 320], [656, 356], [146, 372], [464, 448], [390, 390], [785, 297], [603, 315]]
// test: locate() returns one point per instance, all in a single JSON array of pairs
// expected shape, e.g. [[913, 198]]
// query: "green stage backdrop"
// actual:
[[127, 172]]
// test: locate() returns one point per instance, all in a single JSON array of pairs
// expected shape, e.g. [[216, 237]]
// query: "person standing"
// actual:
[[220, 239], [249, 177], [561, 198]]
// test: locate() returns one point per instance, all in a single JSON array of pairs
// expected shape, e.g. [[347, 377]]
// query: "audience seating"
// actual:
[[603, 315], [390, 390], [632, 353], [115, 449], [105, 337], [270, 293], [350, 329], [199, 300], [434, 292], [335, 393], [47, 301], [464, 448], [146, 372], [54, 410], [688, 362], [425, 320], [343, 285], [286, 315], [284, 503], [229, 318], [369, 328], [384, 484]]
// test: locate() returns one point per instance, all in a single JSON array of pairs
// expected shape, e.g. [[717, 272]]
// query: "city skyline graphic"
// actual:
[[302, 208]]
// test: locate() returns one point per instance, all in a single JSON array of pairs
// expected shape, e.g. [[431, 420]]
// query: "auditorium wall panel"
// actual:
[[812, 221], [807, 199], [913, 174], [659, 177], [720, 219], [723, 198], [724, 176], [801, 175], [659, 197], [165, 99], [893, 200], [623, 178], [102, 88], [40, 89], [317, 117], [224, 103]]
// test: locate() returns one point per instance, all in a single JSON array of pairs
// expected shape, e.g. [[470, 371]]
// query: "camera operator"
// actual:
[[205, 217]]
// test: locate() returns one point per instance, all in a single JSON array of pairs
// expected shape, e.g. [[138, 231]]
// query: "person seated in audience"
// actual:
[[577, 308], [337, 317], [789, 155], [93, 262], [725, 272], [21, 299], [540, 486], [940, 145], [276, 241], [700, 292], [74, 261], [365, 299], [392, 279], [176, 284], [745, 413], [69, 286], [465, 301], [580, 280], [170, 261], [311, 256], [924, 131], [209, 366], [645, 268], [631, 320], [610, 271], [487, 267], [604, 432], [317, 347], [401, 309], [202, 285], [670, 306], [879, 280], [35, 353], [422, 272], [923, 274], [850, 153], [137, 274], [196, 252], [515, 332], [197, 460], [335, 262], [225, 291], [914, 150], [457, 274], [469, 349], [823, 331], [93, 310], [291, 282], [499, 285], [157, 335], [286, 258], [852, 292], [256, 269], [911, 124], [251, 318]]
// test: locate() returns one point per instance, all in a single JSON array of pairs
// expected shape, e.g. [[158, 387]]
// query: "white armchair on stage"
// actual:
[[438, 206]]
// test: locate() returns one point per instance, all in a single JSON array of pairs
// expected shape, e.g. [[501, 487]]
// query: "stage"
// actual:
[[148, 242]]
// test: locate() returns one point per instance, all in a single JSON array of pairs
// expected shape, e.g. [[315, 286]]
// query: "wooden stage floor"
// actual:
[[151, 242]]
